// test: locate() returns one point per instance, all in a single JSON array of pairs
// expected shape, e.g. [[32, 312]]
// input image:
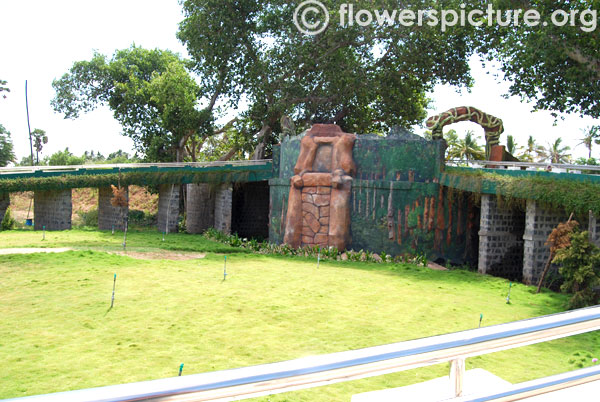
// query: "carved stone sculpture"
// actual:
[[319, 200]]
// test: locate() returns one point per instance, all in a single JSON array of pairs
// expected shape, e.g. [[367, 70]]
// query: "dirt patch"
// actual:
[[162, 255], [4, 251]]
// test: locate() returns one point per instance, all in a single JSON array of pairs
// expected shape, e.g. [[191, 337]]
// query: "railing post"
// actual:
[[457, 375]]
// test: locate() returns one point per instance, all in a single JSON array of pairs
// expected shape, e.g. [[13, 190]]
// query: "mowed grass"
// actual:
[[138, 240], [57, 332]]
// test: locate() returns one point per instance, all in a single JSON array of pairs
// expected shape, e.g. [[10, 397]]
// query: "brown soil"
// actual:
[[84, 200]]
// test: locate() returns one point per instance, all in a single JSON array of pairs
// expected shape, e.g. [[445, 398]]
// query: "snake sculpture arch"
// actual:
[[492, 125]]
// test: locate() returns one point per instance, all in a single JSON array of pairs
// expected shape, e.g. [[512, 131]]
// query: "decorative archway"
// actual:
[[492, 125]]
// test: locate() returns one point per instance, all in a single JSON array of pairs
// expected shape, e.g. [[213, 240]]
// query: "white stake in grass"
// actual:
[[225, 268], [112, 300], [508, 295], [318, 257]]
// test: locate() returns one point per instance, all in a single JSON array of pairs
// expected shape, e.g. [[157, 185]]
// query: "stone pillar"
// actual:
[[4, 204], [200, 208], [168, 207], [223, 198], [109, 215], [500, 239], [594, 229], [52, 209], [539, 223]]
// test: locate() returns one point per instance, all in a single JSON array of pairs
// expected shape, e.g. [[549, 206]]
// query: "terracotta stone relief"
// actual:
[[319, 201]]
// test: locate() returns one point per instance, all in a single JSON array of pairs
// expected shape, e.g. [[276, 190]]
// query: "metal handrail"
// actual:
[[315, 371], [32, 169], [535, 165]]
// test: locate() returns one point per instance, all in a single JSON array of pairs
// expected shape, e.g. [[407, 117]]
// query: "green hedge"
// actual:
[[125, 179], [579, 196]]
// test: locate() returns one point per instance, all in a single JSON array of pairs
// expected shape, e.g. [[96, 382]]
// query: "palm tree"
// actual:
[[554, 153], [511, 145], [591, 136], [532, 148], [467, 149]]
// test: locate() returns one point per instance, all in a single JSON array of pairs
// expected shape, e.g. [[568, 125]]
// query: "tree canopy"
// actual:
[[150, 93], [7, 154], [558, 67], [364, 79]]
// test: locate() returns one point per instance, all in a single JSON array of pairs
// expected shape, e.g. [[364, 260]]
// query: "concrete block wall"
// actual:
[[168, 207], [52, 209], [200, 208], [109, 215], [539, 223], [500, 239], [4, 204], [223, 198]]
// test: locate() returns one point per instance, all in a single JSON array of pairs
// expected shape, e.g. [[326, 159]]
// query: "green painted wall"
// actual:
[[408, 166]]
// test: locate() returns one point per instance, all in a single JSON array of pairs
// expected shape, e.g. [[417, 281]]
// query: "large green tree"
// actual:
[[7, 154], [151, 94], [557, 67], [364, 78]]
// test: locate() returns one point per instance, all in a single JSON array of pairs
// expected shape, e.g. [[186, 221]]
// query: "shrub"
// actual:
[[89, 218], [8, 221], [580, 267], [140, 218]]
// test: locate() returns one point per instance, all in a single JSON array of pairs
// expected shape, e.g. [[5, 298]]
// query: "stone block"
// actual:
[[200, 208], [168, 207], [321, 200], [539, 224], [52, 209], [312, 222], [4, 204], [223, 212], [500, 239], [110, 216]]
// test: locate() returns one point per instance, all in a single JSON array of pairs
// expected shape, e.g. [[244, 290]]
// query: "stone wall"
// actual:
[[223, 198], [52, 210], [110, 216], [250, 210], [397, 205], [315, 215], [4, 204], [539, 223], [200, 208], [168, 208], [500, 240]]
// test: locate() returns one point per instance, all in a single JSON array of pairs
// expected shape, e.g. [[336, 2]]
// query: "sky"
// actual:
[[41, 39]]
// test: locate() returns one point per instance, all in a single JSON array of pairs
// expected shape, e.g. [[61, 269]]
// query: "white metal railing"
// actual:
[[71, 168], [549, 167], [321, 370]]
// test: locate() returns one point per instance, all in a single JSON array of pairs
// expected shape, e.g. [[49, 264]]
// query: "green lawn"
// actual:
[[57, 332]]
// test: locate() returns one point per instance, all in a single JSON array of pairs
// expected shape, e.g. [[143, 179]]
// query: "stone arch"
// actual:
[[492, 125]]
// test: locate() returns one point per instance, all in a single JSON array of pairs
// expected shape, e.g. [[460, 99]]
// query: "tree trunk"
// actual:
[[263, 136]]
